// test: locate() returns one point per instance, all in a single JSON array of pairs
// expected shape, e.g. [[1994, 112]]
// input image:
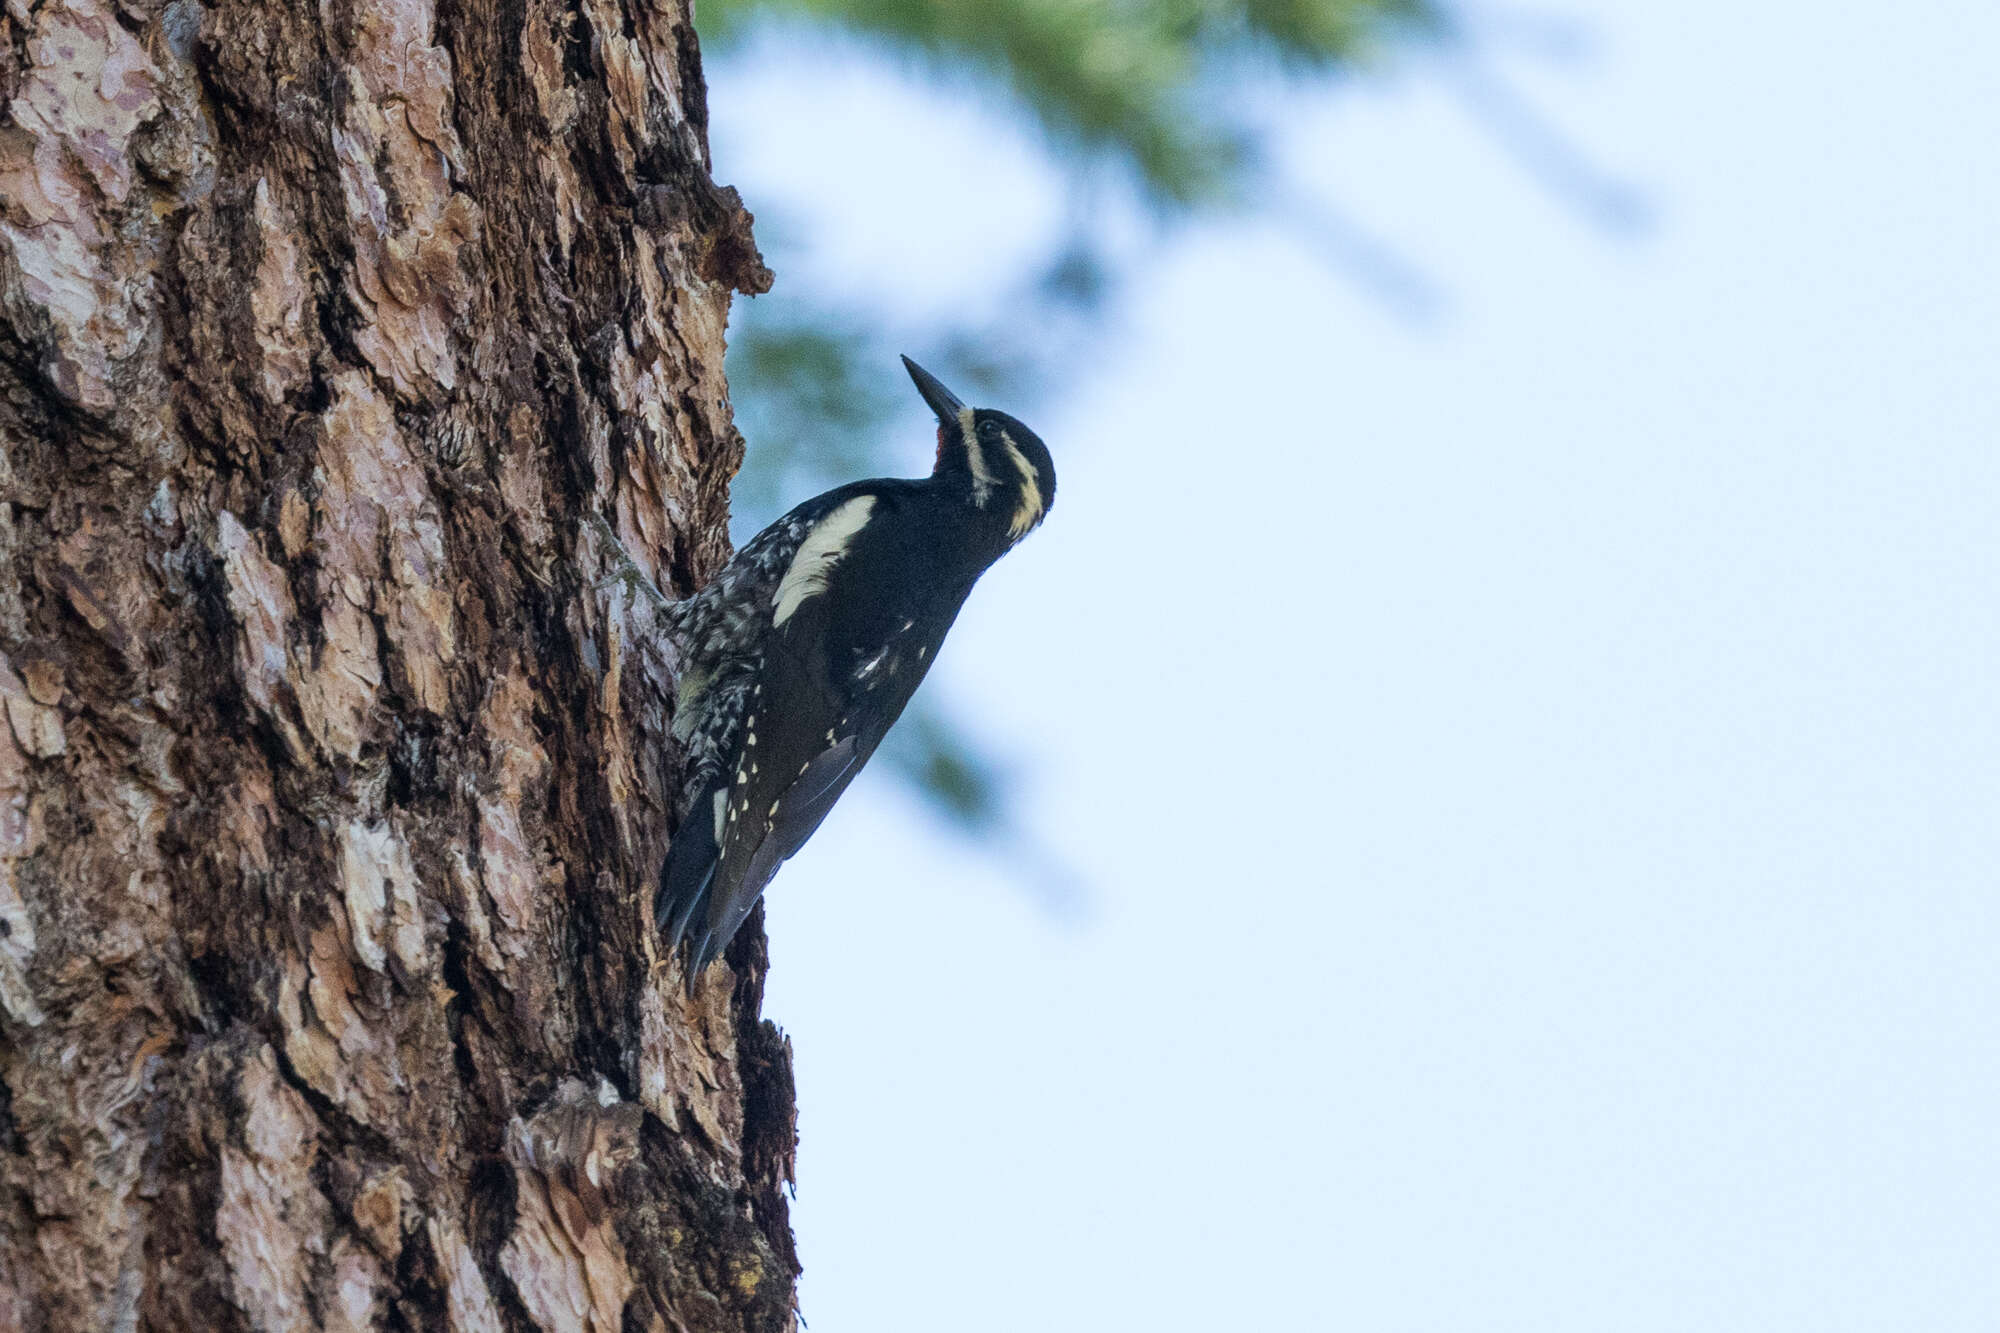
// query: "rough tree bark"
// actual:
[[332, 770]]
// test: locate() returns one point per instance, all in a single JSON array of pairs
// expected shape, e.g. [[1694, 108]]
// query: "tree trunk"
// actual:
[[333, 770]]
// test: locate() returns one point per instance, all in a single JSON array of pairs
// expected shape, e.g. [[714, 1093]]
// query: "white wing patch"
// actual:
[[823, 548]]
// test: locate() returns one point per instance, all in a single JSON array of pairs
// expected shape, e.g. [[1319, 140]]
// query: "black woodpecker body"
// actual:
[[803, 651]]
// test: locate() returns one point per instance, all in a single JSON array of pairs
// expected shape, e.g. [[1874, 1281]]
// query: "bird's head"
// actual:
[[1002, 467]]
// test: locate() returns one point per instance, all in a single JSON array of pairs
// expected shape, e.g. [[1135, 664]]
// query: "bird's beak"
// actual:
[[942, 400]]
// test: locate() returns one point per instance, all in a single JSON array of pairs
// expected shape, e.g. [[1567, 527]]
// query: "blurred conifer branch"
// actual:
[[1110, 77], [1166, 93]]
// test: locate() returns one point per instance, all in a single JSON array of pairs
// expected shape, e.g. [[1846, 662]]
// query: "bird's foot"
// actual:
[[625, 572]]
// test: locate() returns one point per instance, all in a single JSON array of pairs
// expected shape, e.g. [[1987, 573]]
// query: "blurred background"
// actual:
[[1478, 810]]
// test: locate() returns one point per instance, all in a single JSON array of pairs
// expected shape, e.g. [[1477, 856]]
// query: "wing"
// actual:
[[724, 630], [788, 715], [733, 610], [788, 773]]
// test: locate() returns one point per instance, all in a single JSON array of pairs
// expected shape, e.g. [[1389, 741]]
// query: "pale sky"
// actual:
[[1535, 772]]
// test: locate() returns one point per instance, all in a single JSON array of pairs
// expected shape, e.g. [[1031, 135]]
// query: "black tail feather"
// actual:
[[687, 880]]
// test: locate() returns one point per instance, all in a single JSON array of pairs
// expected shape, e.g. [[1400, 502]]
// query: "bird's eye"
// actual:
[[989, 430]]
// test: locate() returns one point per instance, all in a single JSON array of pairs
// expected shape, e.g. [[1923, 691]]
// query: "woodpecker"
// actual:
[[801, 654]]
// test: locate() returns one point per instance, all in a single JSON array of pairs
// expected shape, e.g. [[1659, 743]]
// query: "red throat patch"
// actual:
[[938, 461]]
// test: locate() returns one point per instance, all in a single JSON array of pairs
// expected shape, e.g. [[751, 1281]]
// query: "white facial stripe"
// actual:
[[1028, 511], [822, 549], [975, 458]]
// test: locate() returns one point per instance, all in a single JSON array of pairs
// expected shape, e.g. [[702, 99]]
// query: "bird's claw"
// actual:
[[625, 572]]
